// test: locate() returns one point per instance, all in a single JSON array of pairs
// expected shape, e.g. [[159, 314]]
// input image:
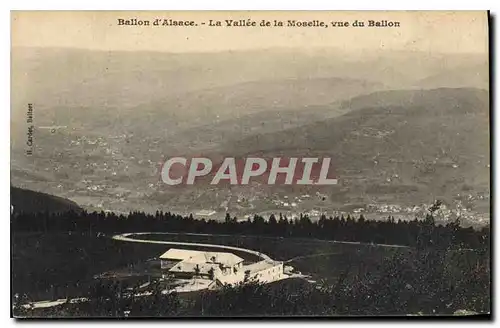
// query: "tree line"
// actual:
[[413, 233], [446, 270]]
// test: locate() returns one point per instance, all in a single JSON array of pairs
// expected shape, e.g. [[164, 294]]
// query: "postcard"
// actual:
[[255, 164]]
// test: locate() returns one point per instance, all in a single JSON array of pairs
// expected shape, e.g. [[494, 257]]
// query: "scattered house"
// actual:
[[205, 213], [314, 213]]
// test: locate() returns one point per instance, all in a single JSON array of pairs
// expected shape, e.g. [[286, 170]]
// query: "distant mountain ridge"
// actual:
[[126, 111], [406, 144]]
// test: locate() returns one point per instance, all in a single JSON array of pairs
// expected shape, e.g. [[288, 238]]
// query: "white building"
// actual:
[[264, 271], [219, 267], [182, 263], [205, 213]]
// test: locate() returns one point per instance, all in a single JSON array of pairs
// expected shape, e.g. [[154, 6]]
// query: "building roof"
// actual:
[[262, 265], [179, 254], [199, 257]]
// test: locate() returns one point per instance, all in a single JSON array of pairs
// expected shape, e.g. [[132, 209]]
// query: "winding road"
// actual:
[[125, 237]]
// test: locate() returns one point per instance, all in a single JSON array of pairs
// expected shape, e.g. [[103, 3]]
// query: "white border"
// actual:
[[251, 5], [6, 6]]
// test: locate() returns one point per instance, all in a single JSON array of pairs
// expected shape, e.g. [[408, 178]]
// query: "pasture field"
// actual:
[[321, 259], [55, 265], [51, 266]]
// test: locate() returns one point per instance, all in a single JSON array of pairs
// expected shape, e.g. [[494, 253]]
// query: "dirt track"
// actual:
[[125, 237]]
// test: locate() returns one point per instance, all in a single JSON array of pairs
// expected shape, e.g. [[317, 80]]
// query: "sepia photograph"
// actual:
[[250, 164]]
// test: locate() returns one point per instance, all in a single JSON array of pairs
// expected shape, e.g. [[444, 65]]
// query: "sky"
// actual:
[[443, 32]]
